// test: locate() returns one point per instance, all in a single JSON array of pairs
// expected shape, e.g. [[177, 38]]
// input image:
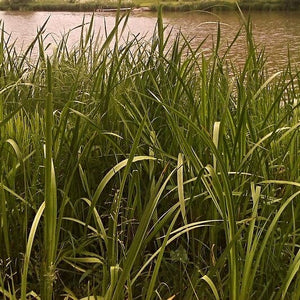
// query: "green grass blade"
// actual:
[[180, 187], [29, 245]]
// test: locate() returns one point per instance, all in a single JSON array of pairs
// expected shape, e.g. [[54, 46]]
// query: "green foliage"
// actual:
[[179, 255], [146, 169], [12, 4]]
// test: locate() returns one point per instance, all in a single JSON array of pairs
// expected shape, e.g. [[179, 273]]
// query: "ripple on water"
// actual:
[[277, 32]]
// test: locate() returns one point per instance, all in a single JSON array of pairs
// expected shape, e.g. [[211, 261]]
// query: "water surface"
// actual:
[[277, 32]]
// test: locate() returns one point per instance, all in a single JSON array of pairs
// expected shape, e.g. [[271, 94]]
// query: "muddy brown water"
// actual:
[[276, 32]]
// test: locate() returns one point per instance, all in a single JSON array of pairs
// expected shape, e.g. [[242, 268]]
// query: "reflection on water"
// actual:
[[278, 32]]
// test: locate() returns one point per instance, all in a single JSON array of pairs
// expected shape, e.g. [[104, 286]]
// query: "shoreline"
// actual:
[[167, 6]]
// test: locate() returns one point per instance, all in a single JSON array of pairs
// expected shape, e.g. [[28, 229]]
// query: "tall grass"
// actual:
[[145, 169]]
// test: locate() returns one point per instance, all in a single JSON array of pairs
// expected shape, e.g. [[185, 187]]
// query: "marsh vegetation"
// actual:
[[143, 169]]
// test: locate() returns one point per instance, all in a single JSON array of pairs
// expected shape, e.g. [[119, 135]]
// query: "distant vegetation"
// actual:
[[147, 170], [180, 5], [270, 4]]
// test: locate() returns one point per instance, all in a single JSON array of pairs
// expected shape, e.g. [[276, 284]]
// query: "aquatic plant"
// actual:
[[144, 169]]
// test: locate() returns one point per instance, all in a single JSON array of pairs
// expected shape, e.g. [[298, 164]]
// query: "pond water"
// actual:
[[277, 32]]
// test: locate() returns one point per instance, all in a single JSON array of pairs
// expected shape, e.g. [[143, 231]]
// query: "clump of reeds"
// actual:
[[146, 169]]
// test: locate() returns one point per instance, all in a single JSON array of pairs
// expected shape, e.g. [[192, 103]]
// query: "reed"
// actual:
[[146, 169]]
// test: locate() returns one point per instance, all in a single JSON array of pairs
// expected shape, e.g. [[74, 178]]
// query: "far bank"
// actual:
[[146, 5]]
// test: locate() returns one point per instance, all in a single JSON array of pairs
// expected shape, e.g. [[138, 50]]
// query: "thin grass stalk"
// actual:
[[291, 273], [4, 224], [50, 196], [29, 249], [252, 243], [267, 236], [155, 274], [2, 60], [160, 32], [138, 240], [180, 186]]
